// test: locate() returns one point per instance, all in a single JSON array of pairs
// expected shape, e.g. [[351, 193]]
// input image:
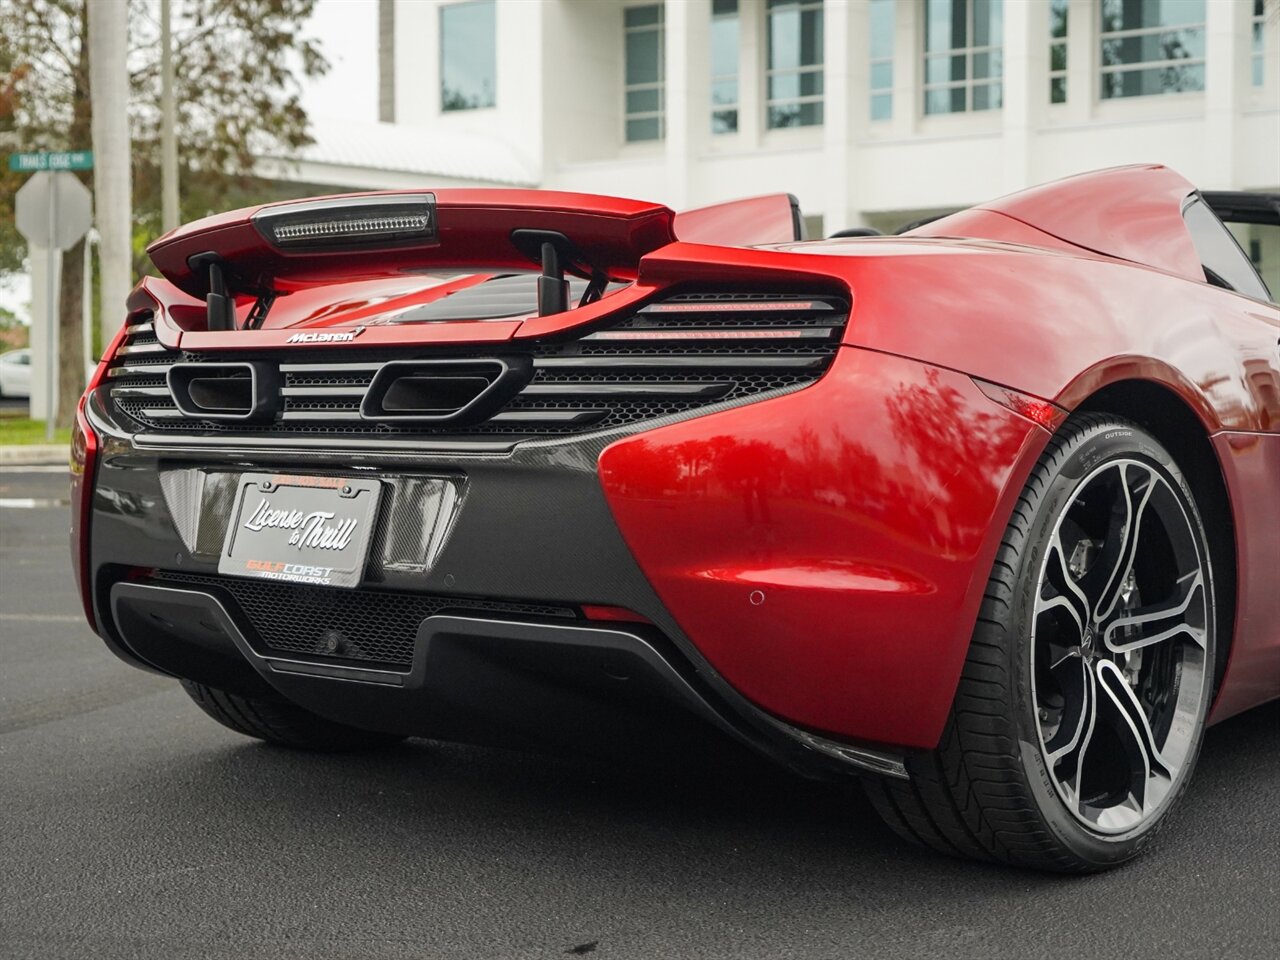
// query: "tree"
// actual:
[[239, 66]]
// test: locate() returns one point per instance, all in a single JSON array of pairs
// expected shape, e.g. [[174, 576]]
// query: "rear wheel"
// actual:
[[1082, 703], [282, 723]]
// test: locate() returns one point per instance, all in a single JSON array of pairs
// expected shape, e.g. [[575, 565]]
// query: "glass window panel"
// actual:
[[784, 86], [945, 27], [1145, 48], [644, 101], [811, 114], [881, 106], [648, 16], [724, 92], [468, 55], [788, 86], [642, 56], [987, 66], [1173, 12], [1152, 81], [795, 115], [1259, 39], [987, 96], [724, 46], [1058, 90], [1140, 14], [795, 43], [643, 72], [1058, 19], [944, 69], [785, 115], [988, 21], [784, 39], [1058, 56], [724, 121], [644, 128], [882, 15], [811, 37], [944, 100], [1112, 15], [881, 75], [724, 7]]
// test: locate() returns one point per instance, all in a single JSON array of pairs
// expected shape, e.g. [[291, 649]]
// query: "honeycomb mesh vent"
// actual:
[[362, 626]]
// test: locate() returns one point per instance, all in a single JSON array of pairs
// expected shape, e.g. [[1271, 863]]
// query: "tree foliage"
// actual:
[[238, 66]]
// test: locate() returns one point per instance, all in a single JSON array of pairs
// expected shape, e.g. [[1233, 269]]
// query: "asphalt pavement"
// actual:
[[133, 826]]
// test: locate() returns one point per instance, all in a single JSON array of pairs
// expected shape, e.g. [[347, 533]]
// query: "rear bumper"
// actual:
[[808, 567], [576, 685]]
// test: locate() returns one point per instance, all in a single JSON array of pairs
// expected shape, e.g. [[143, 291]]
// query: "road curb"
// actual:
[[33, 454]]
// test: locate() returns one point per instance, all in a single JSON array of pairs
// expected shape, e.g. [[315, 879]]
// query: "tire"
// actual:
[[282, 723], [1044, 762]]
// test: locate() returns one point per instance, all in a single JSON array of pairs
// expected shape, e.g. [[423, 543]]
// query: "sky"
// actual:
[[348, 32]]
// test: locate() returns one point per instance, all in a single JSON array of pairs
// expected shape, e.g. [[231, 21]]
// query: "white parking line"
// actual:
[[43, 617], [34, 468], [31, 503]]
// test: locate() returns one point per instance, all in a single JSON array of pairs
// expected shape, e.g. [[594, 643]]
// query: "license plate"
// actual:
[[299, 529]]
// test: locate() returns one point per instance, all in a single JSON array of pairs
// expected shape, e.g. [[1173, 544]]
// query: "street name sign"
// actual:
[[35, 162]]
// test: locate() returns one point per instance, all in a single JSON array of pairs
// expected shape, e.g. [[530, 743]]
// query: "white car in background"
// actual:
[[15, 373]]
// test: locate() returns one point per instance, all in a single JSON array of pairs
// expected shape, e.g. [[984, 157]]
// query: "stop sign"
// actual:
[[53, 210]]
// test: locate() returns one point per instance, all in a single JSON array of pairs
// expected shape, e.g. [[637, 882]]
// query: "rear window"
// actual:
[[1225, 263], [497, 298]]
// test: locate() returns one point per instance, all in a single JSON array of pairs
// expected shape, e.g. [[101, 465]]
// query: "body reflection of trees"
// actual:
[[910, 473], [961, 448]]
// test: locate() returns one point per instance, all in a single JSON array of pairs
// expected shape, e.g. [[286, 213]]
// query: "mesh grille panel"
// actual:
[[374, 627]]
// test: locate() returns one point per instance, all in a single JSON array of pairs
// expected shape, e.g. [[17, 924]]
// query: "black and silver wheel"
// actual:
[[1083, 700]]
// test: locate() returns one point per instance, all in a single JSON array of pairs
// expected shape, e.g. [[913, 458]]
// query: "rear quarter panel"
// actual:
[[1061, 325]]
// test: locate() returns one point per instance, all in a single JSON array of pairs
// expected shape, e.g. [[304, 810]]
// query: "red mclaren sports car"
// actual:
[[986, 513]]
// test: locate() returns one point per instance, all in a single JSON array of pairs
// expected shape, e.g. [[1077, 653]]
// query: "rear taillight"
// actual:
[[84, 457], [84, 463]]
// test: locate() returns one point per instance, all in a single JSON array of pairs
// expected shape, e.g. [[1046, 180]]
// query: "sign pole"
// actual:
[[51, 314], [52, 210]]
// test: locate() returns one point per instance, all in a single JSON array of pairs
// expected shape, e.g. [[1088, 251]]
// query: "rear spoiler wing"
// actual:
[[275, 248]]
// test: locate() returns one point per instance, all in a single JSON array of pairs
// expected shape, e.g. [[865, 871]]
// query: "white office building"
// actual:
[[872, 112]]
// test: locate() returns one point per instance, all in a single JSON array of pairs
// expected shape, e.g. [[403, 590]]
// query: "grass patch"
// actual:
[[24, 430]]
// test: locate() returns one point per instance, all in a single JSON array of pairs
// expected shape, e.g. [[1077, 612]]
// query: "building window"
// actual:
[[1152, 47], [468, 56], [963, 55], [794, 85], [882, 22], [724, 66], [644, 73], [1259, 51], [1058, 51]]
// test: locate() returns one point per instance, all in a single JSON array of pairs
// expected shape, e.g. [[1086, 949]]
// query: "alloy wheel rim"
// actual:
[[1119, 642]]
